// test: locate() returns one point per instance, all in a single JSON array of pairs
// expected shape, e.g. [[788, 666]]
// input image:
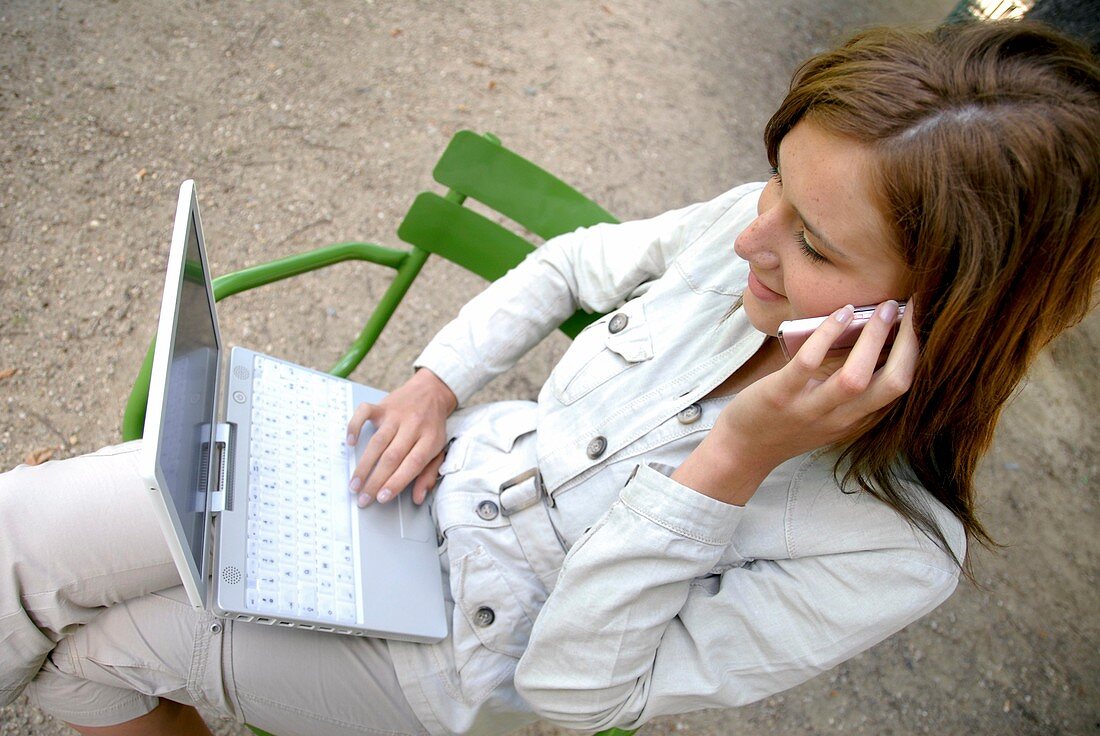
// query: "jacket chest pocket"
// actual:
[[615, 343]]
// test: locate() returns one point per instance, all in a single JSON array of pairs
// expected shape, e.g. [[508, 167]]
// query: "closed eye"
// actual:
[[808, 249], [800, 235]]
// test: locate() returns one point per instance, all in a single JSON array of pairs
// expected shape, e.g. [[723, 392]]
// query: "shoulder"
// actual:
[[733, 209], [707, 262], [822, 517]]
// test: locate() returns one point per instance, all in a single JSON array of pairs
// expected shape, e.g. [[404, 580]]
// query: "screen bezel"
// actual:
[[193, 573]]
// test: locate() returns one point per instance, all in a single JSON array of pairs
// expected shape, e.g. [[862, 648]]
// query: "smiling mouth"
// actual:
[[757, 287]]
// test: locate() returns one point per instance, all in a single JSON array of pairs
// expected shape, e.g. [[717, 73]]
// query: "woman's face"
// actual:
[[819, 241]]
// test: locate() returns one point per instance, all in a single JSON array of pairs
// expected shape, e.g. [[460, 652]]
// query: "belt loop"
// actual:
[[516, 494], [524, 500]]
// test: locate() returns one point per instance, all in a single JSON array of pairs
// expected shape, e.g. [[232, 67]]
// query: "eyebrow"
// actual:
[[811, 229]]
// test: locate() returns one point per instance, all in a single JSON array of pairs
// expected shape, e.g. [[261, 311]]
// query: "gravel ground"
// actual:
[[307, 123]]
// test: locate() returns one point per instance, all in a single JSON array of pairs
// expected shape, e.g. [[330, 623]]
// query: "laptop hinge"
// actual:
[[221, 492]]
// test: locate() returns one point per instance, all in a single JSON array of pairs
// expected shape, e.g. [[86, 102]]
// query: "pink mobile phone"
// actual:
[[793, 333]]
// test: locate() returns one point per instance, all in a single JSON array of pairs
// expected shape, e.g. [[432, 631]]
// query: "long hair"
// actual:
[[986, 138]]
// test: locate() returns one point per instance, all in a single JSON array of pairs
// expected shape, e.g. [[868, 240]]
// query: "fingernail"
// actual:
[[351, 439], [887, 311], [355, 484], [364, 500], [384, 495], [844, 313]]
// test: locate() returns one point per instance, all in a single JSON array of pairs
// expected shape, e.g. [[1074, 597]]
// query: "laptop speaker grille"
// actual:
[[241, 373], [231, 575]]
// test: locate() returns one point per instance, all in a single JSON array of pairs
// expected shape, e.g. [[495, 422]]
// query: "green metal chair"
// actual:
[[473, 166]]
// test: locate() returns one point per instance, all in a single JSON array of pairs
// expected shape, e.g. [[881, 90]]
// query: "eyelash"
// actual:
[[800, 235], [808, 249]]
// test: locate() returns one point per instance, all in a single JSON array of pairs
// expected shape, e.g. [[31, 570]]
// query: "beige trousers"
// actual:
[[94, 623]]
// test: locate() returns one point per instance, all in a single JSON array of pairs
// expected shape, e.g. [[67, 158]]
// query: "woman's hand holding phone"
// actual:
[[793, 333], [812, 401]]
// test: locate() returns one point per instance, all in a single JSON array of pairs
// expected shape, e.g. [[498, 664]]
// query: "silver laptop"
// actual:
[[249, 468]]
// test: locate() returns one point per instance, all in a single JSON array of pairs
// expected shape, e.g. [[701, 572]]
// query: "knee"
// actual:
[[67, 695], [120, 662]]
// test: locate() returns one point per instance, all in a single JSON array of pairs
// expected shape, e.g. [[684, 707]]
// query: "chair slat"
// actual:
[[463, 236], [472, 241], [510, 184]]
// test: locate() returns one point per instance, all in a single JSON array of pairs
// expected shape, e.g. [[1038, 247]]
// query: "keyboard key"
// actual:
[[345, 612]]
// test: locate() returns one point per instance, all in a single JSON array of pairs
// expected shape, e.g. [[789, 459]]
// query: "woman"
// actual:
[[707, 523]]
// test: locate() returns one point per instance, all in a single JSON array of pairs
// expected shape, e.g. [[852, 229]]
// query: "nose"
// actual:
[[756, 243]]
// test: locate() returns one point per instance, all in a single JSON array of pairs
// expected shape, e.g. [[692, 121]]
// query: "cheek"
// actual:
[[813, 294]]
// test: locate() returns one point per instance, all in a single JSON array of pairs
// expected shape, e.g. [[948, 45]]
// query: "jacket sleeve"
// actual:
[[593, 269], [638, 627]]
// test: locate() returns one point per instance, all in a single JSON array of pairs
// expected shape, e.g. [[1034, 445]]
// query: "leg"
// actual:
[[91, 609], [292, 682], [79, 536], [130, 659], [167, 719], [286, 681]]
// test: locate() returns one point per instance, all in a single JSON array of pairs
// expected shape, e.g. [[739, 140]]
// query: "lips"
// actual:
[[756, 286]]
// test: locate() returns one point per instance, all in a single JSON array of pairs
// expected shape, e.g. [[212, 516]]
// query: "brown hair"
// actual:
[[987, 139]]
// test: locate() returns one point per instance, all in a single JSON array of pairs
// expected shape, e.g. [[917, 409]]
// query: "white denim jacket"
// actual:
[[615, 594]]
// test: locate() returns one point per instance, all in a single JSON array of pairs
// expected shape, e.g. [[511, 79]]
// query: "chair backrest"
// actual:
[[479, 167]]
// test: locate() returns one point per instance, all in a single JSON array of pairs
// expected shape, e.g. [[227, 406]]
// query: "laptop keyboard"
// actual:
[[300, 557]]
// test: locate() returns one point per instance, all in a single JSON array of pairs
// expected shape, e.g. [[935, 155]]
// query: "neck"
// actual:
[[766, 360]]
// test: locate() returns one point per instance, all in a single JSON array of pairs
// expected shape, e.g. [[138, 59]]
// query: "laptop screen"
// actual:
[[188, 419]]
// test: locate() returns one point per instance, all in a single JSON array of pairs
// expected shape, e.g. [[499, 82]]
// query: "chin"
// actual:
[[760, 317]]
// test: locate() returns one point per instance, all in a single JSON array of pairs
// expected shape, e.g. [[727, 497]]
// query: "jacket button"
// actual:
[[597, 447], [617, 323], [690, 414], [487, 510], [484, 616]]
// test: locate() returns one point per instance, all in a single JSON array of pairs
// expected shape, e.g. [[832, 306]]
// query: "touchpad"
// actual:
[[416, 521], [380, 520], [398, 518]]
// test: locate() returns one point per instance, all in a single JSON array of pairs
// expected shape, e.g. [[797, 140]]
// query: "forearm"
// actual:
[[622, 583], [498, 326], [646, 620], [594, 269]]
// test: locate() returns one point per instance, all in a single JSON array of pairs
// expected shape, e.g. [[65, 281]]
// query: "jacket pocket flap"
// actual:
[[604, 350]]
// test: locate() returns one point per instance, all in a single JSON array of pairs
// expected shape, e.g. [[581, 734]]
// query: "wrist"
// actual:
[[724, 470], [440, 393]]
